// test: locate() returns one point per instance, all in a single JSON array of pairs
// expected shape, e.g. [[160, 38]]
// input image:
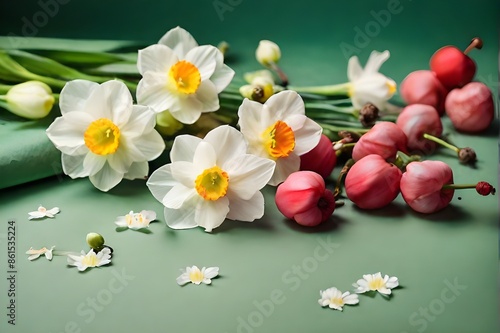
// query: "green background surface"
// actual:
[[271, 270]]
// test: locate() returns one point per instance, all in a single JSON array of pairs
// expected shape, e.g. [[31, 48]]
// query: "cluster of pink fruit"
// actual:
[[447, 87], [381, 167]]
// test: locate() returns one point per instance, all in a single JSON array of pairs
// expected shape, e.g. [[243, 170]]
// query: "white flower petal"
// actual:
[[227, 142], [354, 69], [184, 147], [34, 256], [246, 210], [183, 279], [205, 156], [351, 299], [204, 58], [384, 291], [179, 40], [149, 215], [35, 215], [137, 170], [182, 218], [152, 91], [186, 110], [73, 166], [184, 173], [75, 94], [284, 167], [66, 133], [285, 104], [248, 174], [207, 96], [211, 214], [307, 136], [156, 58], [250, 115], [211, 272], [160, 182], [142, 120], [222, 77], [375, 61], [392, 282], [93, 163], [54, 210], [151, 145], [106, 178], [118, 101], [121, 221], [176, 197]]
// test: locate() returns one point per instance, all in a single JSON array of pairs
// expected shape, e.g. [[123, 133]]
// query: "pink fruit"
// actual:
[[414, 121], [453, 67], [304, 198], [372, 183], [384, 139], [422, 186], [470, 108], [320, 159], [423, 87]]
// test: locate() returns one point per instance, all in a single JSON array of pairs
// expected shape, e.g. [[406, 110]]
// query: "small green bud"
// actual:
[[95, 241]]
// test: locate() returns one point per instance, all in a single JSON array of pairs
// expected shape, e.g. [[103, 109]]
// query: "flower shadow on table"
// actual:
[[334, 223], [451, 214], [392, 210]]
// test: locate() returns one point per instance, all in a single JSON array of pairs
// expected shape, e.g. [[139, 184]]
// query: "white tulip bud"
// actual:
[[32, 99], [268, 52]]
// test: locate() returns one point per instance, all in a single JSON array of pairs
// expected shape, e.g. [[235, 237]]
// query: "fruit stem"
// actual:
[[441, 142], [476, 43]]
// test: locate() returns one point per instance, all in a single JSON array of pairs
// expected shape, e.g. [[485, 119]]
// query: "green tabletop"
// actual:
[[271, 270]]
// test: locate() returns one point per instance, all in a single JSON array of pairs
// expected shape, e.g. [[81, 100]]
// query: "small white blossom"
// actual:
[[35, 254], [91, 259], [371, 282], [43, 212], [136, 221], [195, 275], [335, 299]]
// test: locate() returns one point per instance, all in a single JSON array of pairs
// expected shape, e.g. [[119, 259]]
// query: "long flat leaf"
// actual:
[[82, 45]]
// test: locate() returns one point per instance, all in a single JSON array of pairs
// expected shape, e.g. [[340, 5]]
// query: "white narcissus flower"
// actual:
[[279, 130], [35, 254], [31, 99], [102, 135], [368, 85], [210, 180], [136, 221], [91, 259], [180, 77], [195, 275], [335, 299], [372, 282], [43, 212]]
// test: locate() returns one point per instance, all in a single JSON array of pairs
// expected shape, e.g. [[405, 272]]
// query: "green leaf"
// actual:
[[123, 68], [73, 45]]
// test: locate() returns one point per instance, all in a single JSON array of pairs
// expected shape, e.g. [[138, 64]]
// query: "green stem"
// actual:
[[330, 90], [283, 77], [402, 160], [458, 186], [441, 142], [349, 110], [4, 88]]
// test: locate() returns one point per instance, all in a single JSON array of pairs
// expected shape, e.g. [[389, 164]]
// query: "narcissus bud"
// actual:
[[267, 53], [32, 99], [304, 198]]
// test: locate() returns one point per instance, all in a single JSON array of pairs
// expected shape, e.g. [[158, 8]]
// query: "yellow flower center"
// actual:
[[376, 283], [338, 301], [279, 139], [102, 137], [90, 260], [196, 276], [212, 184], [185, 76], [392, 87]]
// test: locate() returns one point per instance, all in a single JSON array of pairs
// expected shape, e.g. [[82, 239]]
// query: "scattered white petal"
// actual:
[[35, 254], [335, 299], [43, 212], [136, 221], [372, 282], [195, 275], [91, 259]]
